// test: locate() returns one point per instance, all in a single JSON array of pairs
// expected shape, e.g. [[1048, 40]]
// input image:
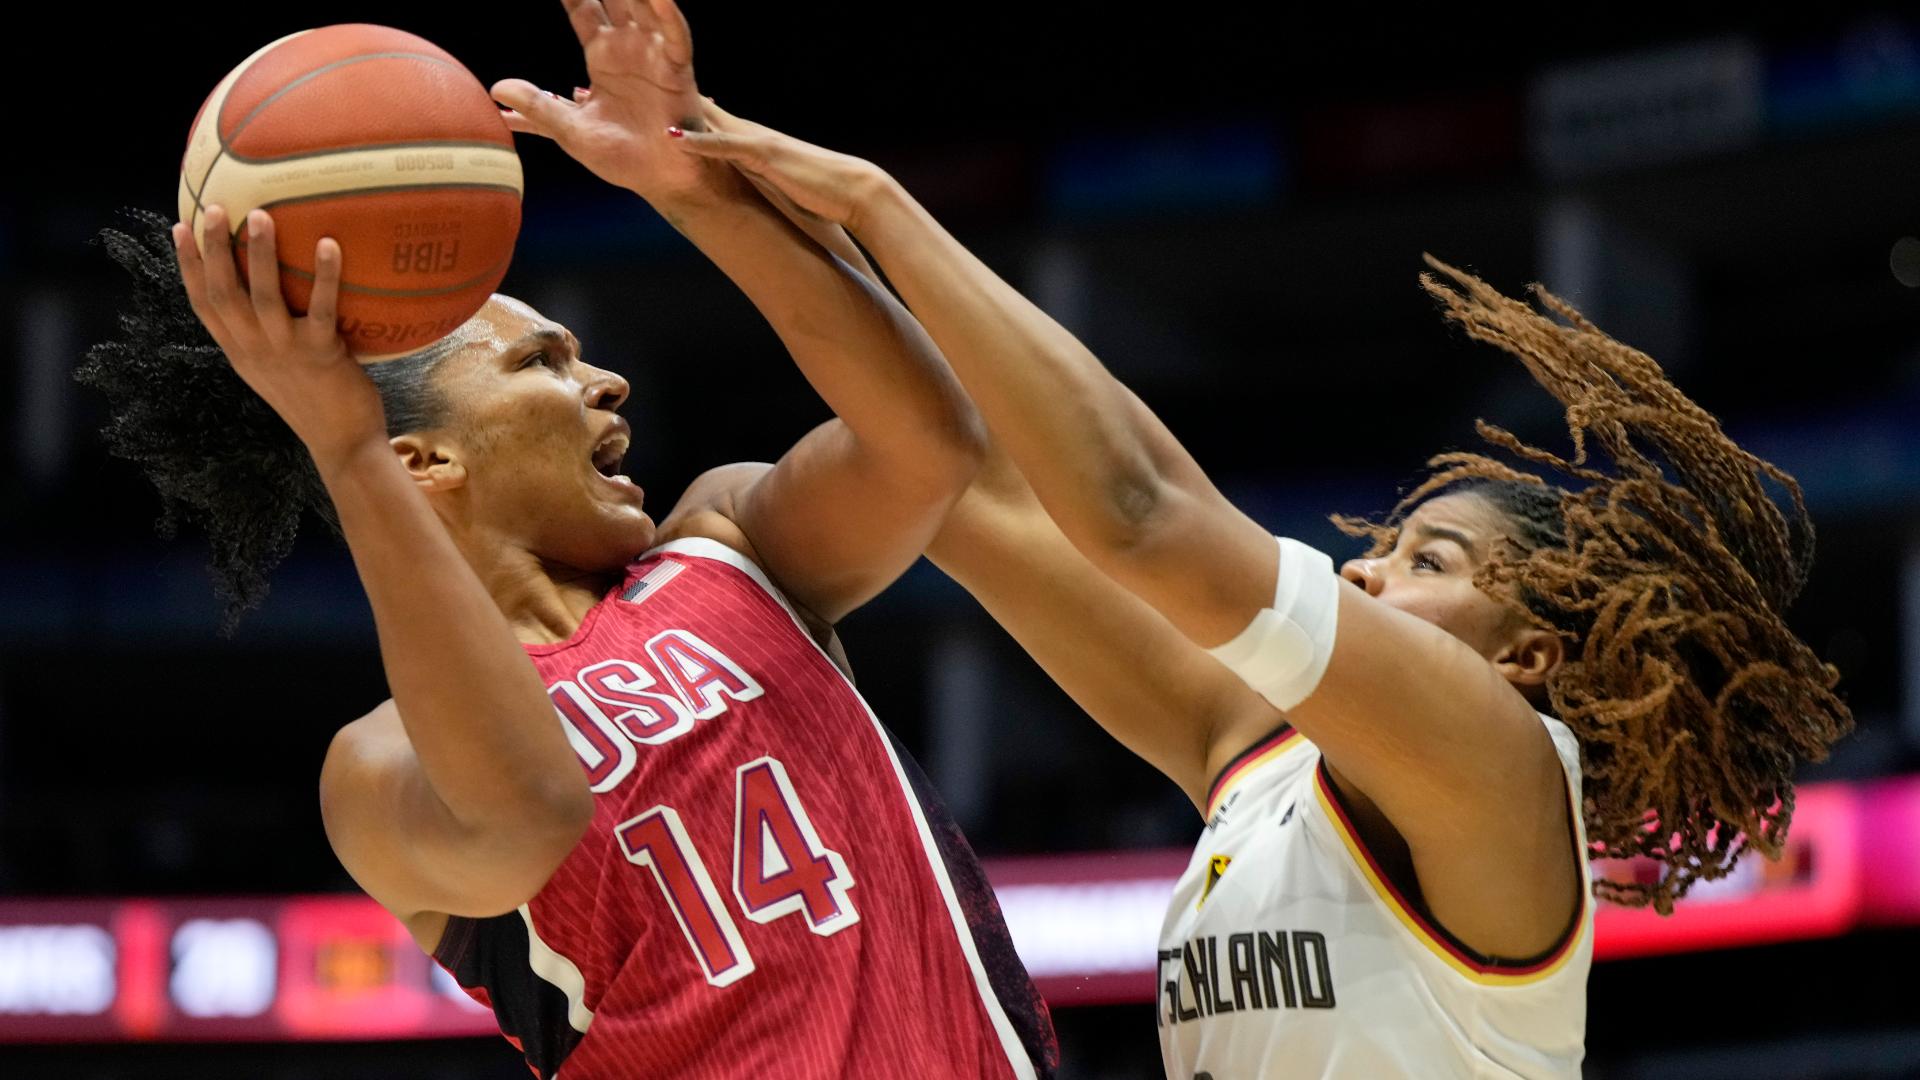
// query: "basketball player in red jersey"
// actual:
[[713, 862]]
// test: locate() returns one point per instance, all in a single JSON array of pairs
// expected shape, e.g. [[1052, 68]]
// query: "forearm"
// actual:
[[859, 349], [1122, 663], [472, 704], [1109, 473], [1100, 465]]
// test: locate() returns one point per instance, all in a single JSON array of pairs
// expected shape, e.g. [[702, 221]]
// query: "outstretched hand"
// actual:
[[832, 186], [639, 56], [300, 366]]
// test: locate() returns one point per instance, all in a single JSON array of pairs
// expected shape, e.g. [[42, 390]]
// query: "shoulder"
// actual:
[[719, 488], [709, 507]]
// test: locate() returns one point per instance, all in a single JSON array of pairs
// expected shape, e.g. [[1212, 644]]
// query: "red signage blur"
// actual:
[[325, 967], [1087, 925], [1814, 890]]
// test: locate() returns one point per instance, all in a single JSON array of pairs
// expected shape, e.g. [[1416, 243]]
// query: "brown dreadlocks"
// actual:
[[1668, 569]]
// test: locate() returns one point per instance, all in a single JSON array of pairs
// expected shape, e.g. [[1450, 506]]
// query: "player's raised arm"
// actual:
[[1119, 484], [1136, 675], [854, 502], [483, 776], [1409, 715], [1116, 481], [1156, 692]]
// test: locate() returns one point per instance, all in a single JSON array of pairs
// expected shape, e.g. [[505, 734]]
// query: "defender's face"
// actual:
[[1429, 572]]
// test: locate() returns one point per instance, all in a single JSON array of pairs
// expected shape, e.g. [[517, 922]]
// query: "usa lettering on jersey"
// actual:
[[610, 708]]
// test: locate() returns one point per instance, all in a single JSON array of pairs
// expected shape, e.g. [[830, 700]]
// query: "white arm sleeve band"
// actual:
[[1284, 651]]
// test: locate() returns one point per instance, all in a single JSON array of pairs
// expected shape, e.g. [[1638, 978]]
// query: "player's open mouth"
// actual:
[[611, 450]]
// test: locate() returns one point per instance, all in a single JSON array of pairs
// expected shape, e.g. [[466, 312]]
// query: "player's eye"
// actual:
[[1423, 560], [541, 359]]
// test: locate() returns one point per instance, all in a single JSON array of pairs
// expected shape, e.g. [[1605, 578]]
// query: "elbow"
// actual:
[[963, 431], [563, 810], [577, 813], [1115, 517], [547, 814], [968, 444], [953, 445], [1124, 495], [1130, 518], [532, 845], [1136, 501]]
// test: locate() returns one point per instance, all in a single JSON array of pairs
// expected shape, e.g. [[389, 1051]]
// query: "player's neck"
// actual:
[[544, 601]]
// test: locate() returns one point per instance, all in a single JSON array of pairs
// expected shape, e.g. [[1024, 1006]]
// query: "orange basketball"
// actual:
[[383, 141]]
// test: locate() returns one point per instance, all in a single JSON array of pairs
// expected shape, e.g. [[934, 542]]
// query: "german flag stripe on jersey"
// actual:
[[1480, 969], [1276, 743]]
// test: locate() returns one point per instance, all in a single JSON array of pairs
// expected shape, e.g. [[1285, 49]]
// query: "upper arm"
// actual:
[[1422, 723], [402, 844], [1127, 666], [1425, 725], [1427, 730], [1456, 760], [834, 521]]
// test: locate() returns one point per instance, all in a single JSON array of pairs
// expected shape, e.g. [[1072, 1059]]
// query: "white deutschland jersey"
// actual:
[[1286, 953]]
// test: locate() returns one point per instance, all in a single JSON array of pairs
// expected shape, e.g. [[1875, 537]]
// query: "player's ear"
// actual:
[[433, 464], [1530, 657]]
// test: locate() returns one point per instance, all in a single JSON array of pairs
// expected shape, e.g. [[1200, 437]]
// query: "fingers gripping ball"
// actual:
[[381, 140]]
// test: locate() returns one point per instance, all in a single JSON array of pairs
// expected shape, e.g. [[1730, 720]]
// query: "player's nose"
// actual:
[[605, 390], [1364, 573]]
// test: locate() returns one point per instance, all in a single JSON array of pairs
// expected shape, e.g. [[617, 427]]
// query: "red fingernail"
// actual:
[[581, 91], [553, 95], [675, 132]]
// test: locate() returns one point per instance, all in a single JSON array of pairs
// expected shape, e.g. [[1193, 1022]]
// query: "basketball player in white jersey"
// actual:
[[1393, 879]]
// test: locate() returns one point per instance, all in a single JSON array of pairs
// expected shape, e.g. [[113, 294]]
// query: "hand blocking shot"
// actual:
[[625, 790], [1404, 763]]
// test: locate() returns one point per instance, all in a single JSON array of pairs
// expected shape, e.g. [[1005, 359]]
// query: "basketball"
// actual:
[[381, 140]]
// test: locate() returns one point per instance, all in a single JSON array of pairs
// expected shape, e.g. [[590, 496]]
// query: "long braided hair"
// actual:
[[1667, 567]]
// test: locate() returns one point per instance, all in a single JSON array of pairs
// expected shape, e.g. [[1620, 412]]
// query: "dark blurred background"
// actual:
[[1227, 202]]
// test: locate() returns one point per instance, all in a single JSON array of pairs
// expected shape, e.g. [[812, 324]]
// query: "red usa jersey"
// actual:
[[769, 888]]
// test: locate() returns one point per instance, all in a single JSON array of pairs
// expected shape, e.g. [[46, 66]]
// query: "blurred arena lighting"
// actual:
[[1905, 261], [1087, 925]]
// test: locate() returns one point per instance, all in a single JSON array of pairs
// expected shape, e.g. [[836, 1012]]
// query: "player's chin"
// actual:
[[631, 532], [594, 536]]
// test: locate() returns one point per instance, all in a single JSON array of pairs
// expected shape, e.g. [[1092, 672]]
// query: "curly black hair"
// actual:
[[220, 457]]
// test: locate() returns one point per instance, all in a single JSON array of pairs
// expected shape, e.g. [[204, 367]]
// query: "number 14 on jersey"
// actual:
[[780, 868]]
